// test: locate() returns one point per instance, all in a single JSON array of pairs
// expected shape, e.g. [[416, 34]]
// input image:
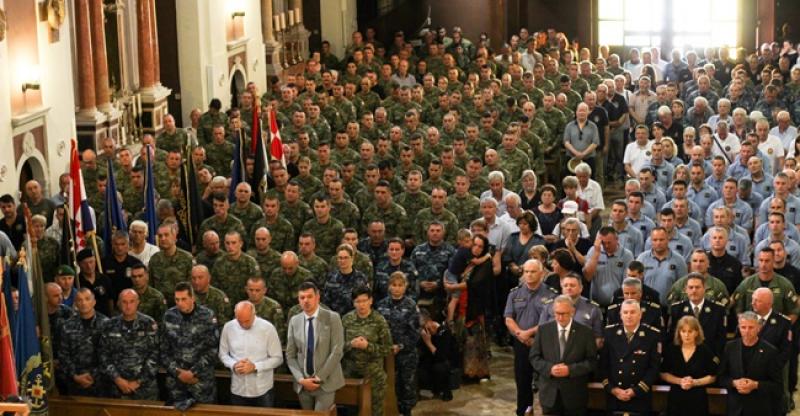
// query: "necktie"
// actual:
[[310, 347], [696, 311], [629, 335], [761, 321], [562, 341]]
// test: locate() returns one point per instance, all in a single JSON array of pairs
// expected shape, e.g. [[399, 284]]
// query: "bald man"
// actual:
[[249, 346], [37, 203], [285, 280], [775, 327]]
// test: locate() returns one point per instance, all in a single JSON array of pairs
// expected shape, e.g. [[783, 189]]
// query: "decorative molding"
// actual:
[[29, 119]]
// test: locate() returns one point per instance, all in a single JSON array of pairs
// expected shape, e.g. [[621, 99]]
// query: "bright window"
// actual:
[[641, 23]]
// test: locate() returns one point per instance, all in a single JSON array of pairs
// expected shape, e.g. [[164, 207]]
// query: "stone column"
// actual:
[[102, 93], [145, 43], [154, 39], [266, 21], [86, 82]]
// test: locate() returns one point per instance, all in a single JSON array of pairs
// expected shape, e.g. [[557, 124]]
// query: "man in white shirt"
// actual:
[[770, 146], [249, 346], [637, 153], [139, 247], [785, 131], [589, 190]]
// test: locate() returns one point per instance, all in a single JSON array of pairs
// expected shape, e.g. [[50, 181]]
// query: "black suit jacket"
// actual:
[[763, 368], [580, 356], [776, 331], [713, 320]]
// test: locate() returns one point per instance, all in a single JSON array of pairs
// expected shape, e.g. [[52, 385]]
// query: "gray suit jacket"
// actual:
[[328, 350]]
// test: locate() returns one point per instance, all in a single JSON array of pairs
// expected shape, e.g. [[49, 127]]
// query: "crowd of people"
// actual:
[[439, 198]]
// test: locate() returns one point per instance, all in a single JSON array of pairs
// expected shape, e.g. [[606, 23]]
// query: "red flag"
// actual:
[[78, 205], [275, 143], [8, 372]]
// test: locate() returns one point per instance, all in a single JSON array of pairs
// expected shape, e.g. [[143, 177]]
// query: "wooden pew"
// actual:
[[716, 398], [356, 391], [81, 406]]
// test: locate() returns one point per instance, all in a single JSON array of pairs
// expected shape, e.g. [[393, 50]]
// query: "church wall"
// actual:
[[338, 22]]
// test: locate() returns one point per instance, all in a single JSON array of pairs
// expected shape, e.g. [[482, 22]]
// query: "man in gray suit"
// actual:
[[314, 351], [564, 355]]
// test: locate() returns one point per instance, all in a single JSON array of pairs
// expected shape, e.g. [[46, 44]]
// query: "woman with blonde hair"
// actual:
[[689, 366]]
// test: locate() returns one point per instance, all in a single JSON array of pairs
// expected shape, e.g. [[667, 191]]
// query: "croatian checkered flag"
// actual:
[[78, 205]]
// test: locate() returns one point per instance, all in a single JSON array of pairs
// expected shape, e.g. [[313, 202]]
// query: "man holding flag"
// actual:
[[79, 210]]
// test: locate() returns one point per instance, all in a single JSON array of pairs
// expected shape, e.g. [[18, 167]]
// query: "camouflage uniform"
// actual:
[[152, 303], [465, 208], [80, 345], [282, 233], [431, 262], [208, 260], [338, 290], [514, 162], [248, 215], [266, 261], [346, 212], [130, 350], [48, 249], [478, 185], [393, 217], [309, 184], [384, 270], [328, 235], [190, 342], [270, 310], [283, 288], [318, 268], [168, 271], [403, 319], [133, 200], [175, 142], [368, 362], [231, 275], [297, 214], [231, 223], [218, 302], [207, 122], [425, 217], [219, 157]]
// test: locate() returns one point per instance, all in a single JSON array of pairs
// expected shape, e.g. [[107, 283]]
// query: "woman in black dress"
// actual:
[[689, 366], [547, 212], [527, 195]]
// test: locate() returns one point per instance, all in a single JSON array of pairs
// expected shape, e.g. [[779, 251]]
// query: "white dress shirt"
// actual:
[[148, 252], [259, 344]]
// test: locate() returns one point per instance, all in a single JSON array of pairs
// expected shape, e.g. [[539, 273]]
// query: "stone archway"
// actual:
[[238, 85], [32, 168]]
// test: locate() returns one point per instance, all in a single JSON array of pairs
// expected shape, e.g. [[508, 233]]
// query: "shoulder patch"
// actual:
[[654, 329]]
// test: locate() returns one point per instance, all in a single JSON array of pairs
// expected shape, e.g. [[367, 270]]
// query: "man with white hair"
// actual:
[[723, 113], [497, 191], [581, 136], [785, 131], [725, 143], [770, 146], [498, 229], [249, 346], [637, 153], [699, 113], [139, 247]]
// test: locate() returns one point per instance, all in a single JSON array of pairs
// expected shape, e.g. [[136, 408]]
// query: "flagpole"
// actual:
[[68, 223], [93, 236], [185, 192]]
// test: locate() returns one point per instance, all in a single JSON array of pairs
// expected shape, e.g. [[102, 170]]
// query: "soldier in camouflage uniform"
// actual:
[[342, 281], [384, 209], [221, 222], [310, 260], [219, 153], [189, 339], [282, 231], [327, 231], [400, 312], [129, 351], [394, 261], [463, 204], [209, 296], [431, 259], [367, 341], [80, 343], [342, 209], [170, 265], [285, 279], [234, 268], [512, 159], [46, 247], [172, 138], [267, 308], [211, 251], [436, 212], [245, 210], [413, 199], [208, 120], [151, 301], [266, 257], [133, 194]]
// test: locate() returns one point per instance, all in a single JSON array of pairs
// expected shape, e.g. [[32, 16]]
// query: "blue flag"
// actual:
[[114, 219], [150, 198], [31, 374], [237, 172], [6, 279]]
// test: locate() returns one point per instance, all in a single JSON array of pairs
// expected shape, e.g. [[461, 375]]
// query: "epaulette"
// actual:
[[552, 289], [656, 330], [653, 305], [676, 303], [718, 303], [548, 301], [594, 303], [612, 325], [613, 306], [783, 316]]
